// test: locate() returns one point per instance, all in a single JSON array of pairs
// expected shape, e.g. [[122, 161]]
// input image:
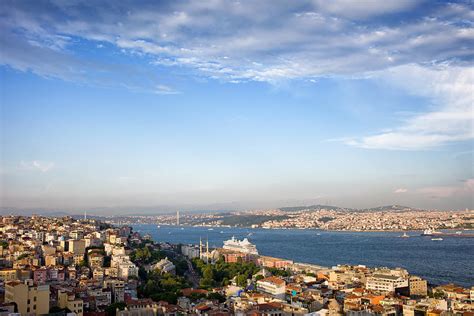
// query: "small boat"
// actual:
[[158, 226], [318, 234], [436, 239], [405, 235], [210, 228]]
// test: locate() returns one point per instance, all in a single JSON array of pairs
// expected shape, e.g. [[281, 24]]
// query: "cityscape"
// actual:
[[88, 267], [237, 158], [393, 218]]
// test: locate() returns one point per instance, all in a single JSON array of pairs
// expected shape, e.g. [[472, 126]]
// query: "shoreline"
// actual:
[[295, 228]]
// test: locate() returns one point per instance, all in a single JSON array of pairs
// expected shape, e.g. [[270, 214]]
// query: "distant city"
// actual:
[[386, 218]]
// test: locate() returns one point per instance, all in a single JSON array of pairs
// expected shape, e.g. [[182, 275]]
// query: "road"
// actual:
[[192, 275]]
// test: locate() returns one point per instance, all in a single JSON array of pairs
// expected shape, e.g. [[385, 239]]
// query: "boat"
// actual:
[[405, 235], [221, 231], [437, 239], [182, 228], [318, 234], [244, 246], [210, 228], [458, 234], [430, 232], [158, 226]]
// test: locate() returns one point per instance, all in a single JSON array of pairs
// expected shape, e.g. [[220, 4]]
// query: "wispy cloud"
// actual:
[[163, 89], [42, 166], [450, 90], [439, 192], [400, 190]]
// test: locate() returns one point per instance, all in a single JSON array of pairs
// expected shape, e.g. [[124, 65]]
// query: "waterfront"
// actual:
[[447, 261]]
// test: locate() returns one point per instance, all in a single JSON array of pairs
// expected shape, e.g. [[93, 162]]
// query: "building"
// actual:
[[190, 251], [77, 247], [231, 256], [96, 259], [118, 290], [29, 298], [386, 282], [8, 274], [165, 266], [69, 301], [273, 286], [418, 286], [271, 262]]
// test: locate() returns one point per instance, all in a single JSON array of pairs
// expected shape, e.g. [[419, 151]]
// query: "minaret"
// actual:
[[207, 250], [177, 218], [200, 248]]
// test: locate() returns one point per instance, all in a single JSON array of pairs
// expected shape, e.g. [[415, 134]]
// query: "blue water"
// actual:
[[440, 262]]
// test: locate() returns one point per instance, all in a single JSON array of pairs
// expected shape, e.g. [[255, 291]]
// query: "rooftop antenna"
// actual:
[[177, 218]]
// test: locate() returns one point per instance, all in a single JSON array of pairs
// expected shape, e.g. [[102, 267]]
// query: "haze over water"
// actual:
[[440, 262]]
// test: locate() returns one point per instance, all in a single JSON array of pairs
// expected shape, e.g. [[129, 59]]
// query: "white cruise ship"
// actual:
[[244, 246]]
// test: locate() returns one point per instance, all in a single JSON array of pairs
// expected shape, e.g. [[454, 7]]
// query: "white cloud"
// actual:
[[227, 40], [42, 166], [400, 190], [163, 89], [451, 90]]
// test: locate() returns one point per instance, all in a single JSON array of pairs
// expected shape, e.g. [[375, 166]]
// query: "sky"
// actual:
[[164, 105]]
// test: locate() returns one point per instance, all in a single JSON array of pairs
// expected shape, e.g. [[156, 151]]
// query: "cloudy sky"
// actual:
[[236, 103]]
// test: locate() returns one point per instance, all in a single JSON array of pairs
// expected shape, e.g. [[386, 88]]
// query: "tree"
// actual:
[[241, 280], [216, 296], [112, 309]]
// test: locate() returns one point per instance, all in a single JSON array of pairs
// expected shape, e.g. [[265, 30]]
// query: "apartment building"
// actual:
[[385, 282], [273, 286], [30, 298]]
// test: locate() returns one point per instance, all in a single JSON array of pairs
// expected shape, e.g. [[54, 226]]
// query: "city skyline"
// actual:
[[236, 105]]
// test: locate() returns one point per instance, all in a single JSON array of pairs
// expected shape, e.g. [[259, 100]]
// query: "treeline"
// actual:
[[162, 287]]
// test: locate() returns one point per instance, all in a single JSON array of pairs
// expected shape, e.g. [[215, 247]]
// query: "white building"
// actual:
[[386, 282], [165, 266], [273, 286], [125, 267], [190, 251]]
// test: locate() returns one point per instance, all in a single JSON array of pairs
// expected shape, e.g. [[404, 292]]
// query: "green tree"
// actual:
[[112, 309]]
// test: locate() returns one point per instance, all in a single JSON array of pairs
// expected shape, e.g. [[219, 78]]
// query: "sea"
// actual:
[[450, 260]]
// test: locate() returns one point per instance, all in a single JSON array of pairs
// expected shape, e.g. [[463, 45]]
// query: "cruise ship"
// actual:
[[244, 246]]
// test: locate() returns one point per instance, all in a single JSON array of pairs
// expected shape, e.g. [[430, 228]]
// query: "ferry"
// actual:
[[244, 246], [458, 234]]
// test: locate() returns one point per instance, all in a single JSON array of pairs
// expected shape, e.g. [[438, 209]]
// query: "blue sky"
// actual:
[[236, 104]]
